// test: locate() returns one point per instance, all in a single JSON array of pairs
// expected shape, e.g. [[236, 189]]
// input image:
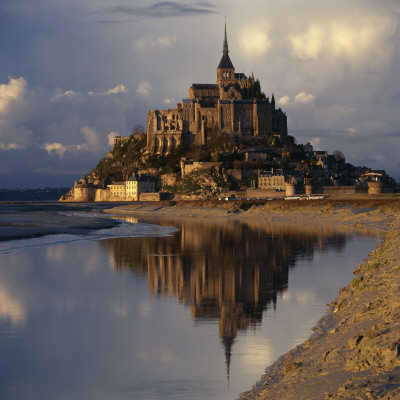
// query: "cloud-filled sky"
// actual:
[[75, 74]]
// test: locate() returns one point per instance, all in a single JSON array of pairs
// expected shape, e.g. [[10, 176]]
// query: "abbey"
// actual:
[[234, 105]]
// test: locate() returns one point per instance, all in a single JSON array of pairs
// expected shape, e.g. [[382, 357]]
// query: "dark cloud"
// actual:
[[162, 9]]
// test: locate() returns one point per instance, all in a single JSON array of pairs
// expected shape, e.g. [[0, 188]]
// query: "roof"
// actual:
[[225, 62], [205, 86], [243, 101], [117, 184]]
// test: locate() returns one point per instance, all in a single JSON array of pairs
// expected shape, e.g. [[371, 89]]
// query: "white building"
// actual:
[[138, 184]]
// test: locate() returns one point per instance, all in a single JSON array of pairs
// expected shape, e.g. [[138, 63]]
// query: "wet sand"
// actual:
[[41, 223], [355, 351]]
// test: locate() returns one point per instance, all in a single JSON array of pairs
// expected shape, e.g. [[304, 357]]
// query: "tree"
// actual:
[[339, 156], [340, 159], [137, 130]]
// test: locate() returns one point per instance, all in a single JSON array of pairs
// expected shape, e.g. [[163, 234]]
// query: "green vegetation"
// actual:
[[204, 181]]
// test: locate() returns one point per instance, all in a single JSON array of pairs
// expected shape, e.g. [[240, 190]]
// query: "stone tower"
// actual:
[[225, 70]]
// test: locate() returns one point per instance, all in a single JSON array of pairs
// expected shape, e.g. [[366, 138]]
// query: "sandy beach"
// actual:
[[355, 350]]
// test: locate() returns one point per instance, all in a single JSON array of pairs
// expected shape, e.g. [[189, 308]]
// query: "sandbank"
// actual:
[[41, 223]]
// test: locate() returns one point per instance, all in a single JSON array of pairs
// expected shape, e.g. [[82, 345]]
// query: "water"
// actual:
[[194, 313]]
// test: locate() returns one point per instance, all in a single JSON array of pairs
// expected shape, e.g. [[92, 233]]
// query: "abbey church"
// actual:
[[234, 105]]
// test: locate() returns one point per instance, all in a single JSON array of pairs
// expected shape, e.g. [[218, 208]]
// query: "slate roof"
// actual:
[[205, 86], [225, 62]]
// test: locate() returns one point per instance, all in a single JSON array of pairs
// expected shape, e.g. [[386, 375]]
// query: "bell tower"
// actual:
[[225, 70]]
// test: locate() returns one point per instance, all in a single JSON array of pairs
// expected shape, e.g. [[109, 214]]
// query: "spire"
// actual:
[[225, 60], [225, 50]]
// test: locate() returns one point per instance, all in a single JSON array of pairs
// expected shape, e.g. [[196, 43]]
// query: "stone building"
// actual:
[[273, 180], [117, 189], [234, 105], [138, 184], [132, 188]]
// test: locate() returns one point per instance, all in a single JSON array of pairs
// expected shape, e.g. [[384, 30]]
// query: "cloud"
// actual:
[[144, 88], [73, 95], [14, 111], [9, 146], [308, 44], [93, 143], [304, 97], [254, 40], [284, 100], [159, 42], [162, 9], [11, 94], [363, 39], [120, 88], [168, 101], [57, 148], [301, 98], [111, 137], [93, 138]]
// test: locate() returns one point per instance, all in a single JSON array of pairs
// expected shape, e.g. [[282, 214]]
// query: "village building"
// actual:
[[272, 180], [234, 105], [132, 188], [117, 189], [138, 184]]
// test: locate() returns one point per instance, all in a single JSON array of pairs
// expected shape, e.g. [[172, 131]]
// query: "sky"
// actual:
[[74, 74]]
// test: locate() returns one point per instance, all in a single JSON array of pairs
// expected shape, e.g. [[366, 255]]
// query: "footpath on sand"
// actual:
[[355, 350]]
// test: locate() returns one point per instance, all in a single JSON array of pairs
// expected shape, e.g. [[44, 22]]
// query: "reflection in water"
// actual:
[[230, 272], [99, 319]]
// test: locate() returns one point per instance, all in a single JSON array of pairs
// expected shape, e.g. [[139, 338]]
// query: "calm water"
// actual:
[[197, 314]]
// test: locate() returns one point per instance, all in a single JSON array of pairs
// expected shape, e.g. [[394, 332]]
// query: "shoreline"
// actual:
[[355, 349]]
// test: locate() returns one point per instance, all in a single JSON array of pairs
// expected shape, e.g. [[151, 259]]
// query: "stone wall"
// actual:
[[156, 196], [263, 194], [338, 190]]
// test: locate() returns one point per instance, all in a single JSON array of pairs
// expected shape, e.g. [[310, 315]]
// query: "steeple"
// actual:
[[225, 50], [225, 60], [225, 70]]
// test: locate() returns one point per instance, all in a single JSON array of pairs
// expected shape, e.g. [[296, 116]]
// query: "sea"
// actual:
[[156, 308]]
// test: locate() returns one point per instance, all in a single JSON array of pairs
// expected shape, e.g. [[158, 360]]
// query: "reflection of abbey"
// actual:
[[203, 265], [234, 105]]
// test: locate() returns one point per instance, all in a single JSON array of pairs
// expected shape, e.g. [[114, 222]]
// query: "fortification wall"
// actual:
[[263, 194], [102, 195], [338, 190], [156, 196]]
